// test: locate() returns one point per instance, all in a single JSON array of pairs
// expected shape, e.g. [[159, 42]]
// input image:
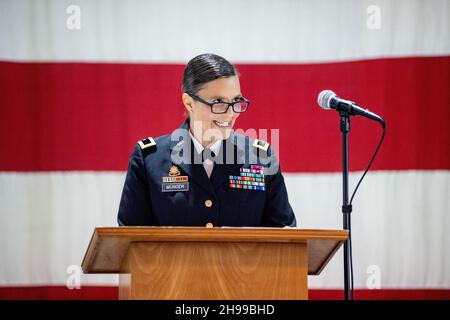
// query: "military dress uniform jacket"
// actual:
[[150, 196]]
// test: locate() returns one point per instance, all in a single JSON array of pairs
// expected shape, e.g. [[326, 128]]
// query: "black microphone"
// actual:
[[329, 100]]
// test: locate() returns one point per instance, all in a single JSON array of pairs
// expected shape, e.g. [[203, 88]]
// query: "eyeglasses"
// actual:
[[238, 106]]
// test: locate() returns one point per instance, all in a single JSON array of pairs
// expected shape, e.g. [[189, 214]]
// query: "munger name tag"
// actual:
[[175, 186]]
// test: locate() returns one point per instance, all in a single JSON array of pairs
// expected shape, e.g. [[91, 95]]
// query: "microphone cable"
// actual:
[[351, 200]]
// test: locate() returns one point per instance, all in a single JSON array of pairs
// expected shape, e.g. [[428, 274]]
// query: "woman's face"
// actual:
[[212, 126]]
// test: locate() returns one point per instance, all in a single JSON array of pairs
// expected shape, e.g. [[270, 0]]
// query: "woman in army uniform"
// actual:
[[204, 174]]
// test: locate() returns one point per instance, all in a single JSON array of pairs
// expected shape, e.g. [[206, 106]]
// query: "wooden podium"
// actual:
[[197, 263]]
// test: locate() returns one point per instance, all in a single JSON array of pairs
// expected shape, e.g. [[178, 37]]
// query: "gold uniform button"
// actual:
[[209, 225], [208, 203]]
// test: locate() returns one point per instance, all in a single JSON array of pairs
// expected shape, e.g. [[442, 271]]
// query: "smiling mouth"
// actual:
[[222, 124]]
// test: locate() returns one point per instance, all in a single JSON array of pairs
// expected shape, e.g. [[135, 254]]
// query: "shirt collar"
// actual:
[[215, 147]]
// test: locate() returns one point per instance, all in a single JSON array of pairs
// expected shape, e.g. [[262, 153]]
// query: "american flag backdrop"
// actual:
[[82, 81]]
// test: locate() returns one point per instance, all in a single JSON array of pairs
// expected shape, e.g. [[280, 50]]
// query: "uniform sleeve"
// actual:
[[135, 208], [277, 212]]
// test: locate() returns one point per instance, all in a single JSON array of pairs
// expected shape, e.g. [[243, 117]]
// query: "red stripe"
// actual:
[[87, 116], [111, 293], [59, 293], [391, 294]]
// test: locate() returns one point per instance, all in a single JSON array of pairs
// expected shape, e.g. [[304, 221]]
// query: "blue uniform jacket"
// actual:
[[206, 200]]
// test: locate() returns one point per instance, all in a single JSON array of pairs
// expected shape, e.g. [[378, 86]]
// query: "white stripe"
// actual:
[[47, 220], [400, 224], [279, 31]]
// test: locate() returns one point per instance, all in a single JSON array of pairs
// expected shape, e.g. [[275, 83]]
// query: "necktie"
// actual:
[[208, 154]]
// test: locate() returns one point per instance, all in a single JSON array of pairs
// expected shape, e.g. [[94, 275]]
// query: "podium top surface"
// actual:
[[109, 245]]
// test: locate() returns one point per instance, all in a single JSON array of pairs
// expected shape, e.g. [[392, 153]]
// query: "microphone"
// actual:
[[327, 100]]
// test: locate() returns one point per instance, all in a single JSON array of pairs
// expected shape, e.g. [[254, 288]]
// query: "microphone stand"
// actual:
[[346, 207]]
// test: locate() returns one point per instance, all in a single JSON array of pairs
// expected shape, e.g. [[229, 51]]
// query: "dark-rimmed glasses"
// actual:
[[239, 106]]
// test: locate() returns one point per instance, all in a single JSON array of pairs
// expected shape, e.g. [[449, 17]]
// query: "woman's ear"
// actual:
[[188, 102]]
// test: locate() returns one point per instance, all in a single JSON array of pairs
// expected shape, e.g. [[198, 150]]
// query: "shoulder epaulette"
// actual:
[[263, 145], [147, 143]]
